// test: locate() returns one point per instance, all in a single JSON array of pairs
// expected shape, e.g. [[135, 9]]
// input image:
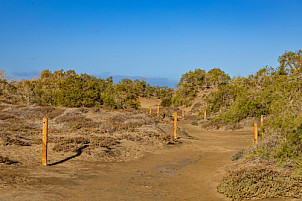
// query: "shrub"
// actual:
[[193, 82], [166, 102], [260, 182]]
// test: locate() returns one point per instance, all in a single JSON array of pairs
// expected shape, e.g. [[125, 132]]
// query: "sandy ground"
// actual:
[[187, 171], [147, 103]]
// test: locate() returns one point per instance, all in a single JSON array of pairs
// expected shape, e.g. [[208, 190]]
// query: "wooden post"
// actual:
[[158, 111], [175, 125], [44, 141], [150, 111], [183, 114], [205, 115], [255, 133], [261, 120]]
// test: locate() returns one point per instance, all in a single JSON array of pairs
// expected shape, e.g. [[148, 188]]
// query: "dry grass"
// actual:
[[258, 173], [107, 135], [247, 123], [73, 144], [14, 140], [260, 182]]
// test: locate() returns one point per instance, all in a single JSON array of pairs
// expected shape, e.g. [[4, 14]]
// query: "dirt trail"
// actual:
[[189, 171]]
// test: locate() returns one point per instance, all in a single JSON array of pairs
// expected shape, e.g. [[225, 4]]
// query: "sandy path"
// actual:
[[184, 172]]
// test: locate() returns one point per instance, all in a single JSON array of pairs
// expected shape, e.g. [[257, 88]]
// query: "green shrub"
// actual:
[[166, 102], [193, 82], [195, 123], [275, 93]]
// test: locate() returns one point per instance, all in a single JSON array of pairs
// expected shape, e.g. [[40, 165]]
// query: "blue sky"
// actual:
[[146, 38]]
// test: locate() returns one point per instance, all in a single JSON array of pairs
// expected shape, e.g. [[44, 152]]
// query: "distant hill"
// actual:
[[162, 82]]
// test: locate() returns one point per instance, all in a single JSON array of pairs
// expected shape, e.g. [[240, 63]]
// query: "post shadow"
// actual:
[[79, 152]]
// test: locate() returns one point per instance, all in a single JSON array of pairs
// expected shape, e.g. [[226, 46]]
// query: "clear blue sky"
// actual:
[[147, 38]]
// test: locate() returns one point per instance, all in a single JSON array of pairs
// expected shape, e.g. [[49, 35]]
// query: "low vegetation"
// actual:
[[275, 93], [272, 168], [98, 134], [195, 81], [69, 89], [260, 182]]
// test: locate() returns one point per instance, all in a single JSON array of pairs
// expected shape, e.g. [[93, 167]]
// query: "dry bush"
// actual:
[[107, 142], [4, 116], [210, 125], [131, 136], [68, 144], [35, 113], [260, 182], [245, 123], [156, 132], [233, 126], [118, 121], [270, 150], [66, 147], [162, 137], [4, 100], [27, 113], [13, 140], [103, 121], [52, 112], [76, 121], [98, 131], [73, 144], [19, 126]]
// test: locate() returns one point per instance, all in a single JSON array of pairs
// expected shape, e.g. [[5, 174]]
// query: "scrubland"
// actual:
[[100, 121]]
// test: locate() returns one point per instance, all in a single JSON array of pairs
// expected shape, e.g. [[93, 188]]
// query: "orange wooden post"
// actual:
[[205, 115], [255, 133], [261, 120], [183, 114], [158, 111], [175, 125], [44, 141], [150, 111]]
